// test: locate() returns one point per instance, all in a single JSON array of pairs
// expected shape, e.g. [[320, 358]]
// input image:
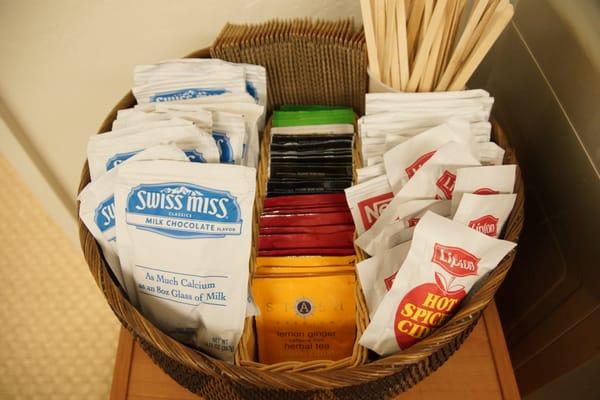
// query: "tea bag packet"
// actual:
[[485, 213], [229, 132], [436, 178], [112, 148], [498, 179], [97, 205], [367, 201], [311, 151], [307, 308], [404, 160], [376, 274], [401, 217], [445, 260], [184, 236]]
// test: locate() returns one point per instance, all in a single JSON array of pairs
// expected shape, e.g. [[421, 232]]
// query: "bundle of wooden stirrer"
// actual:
[[430, 45]]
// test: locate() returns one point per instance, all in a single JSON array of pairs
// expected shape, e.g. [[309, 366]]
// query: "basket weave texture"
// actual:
[[350, 379]]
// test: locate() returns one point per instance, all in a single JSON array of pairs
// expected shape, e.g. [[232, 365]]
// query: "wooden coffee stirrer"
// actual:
[[391, 54], [493, 7], [453, 13], [426, 84], [423, 51], [496, 26], [379, 21], [458, 55], [365, 7], [412, 29], [402, 43]]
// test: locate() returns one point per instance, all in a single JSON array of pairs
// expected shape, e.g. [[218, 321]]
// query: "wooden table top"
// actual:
[[480, 369]]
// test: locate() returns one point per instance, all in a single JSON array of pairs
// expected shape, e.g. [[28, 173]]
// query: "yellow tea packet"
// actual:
[[305, 315], [304, 261]]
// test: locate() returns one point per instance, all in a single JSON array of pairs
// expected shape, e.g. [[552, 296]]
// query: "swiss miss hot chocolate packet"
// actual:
[[445, 260], [184, 235]]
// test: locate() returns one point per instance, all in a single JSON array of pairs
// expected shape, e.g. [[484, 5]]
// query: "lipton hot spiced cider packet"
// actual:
[[445, 260]]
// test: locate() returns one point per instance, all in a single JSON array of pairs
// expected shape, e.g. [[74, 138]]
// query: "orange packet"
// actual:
[[305, 318]]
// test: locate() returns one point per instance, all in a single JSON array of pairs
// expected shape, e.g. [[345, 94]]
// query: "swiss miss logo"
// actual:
[[446, 183], [389, 281], [454, 260], [418, 163], [485, 190], [371, 208], [487, 224]]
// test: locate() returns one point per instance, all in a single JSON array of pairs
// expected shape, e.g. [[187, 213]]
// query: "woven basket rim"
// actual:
[[266, 378]]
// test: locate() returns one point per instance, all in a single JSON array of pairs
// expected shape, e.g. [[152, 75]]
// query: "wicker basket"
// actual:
[[354, 377]]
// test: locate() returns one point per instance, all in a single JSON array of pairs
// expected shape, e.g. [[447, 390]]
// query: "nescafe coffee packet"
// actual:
[[367, 201], [498, 179], [396, 224], [289, 187], [445, 260], [405, 159], [376, 274], [293, 170], [485, 213], [437, 177]]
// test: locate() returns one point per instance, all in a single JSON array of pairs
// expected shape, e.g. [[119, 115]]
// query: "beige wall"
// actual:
[[64, 64]]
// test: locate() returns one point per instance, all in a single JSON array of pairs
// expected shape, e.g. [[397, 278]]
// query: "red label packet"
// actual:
[[303, 240]]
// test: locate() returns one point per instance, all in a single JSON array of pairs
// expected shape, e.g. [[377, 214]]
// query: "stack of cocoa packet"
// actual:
[[430, 203]]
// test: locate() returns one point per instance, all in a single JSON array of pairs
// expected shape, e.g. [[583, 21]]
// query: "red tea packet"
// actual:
[[306, 252], [312, 219], [303, 240], [270, 230]]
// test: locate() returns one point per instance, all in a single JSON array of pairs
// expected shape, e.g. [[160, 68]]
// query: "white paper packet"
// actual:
[[376, 274], [498, 179], [97, 204], [427, 96], [184, 234], [382, 106], [445, 260], [399, 217], [436, 178], [215, 84], [163, 111], [366, 173], [252, 114], [485, 213], [255, 75], [367, 201], [112, 148], [229, 132], [472, 114], [404, 160]]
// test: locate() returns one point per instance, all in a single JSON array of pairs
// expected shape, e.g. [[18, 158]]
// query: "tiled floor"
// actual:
[[58, 337]]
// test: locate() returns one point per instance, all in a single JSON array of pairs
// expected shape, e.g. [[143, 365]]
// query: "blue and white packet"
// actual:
[[185, 89], [112, 148], [97, 205], [251, 114], [131, 117], [185, 233], [229, 133]]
